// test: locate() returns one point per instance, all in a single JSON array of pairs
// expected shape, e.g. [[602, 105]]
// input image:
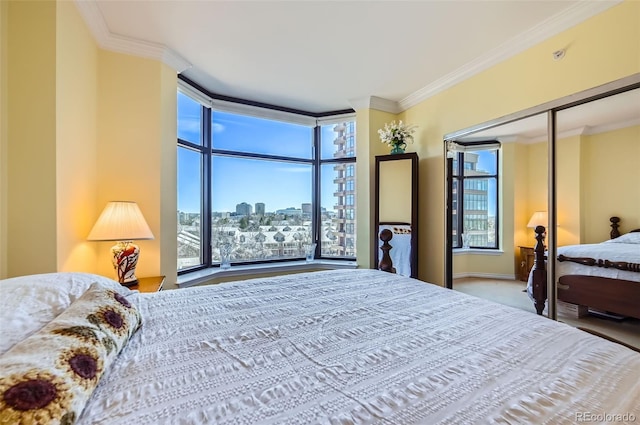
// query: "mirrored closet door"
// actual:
[[598, 206], [571, 166]]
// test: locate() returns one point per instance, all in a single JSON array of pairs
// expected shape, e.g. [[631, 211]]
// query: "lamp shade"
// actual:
[[120, 221], [539, 218]]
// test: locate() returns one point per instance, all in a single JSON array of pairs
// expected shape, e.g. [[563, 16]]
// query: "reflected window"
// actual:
[[475, 197]]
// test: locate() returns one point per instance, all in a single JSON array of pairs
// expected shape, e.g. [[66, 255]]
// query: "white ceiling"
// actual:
[[320, 56]]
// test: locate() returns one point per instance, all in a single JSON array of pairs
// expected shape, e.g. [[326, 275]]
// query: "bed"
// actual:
[[331, 347], [601, 278]]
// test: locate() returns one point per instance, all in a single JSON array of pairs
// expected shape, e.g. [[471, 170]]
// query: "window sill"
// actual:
[[472, 251], [207, 275]]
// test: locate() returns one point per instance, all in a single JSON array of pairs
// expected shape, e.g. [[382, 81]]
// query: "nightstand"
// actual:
[[527, 257], [149, 284]]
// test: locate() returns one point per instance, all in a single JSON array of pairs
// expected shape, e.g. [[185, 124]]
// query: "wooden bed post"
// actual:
[[386, 264], [614, 227], [539, 278]]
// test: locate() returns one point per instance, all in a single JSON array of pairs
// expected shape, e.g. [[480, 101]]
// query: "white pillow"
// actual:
[[50, 376], [633, 238], [28, 303]]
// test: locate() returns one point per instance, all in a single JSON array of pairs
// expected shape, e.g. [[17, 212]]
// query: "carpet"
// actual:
[[510, 292]]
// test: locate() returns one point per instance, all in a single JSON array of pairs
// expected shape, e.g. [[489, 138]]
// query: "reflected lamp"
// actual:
[[539, 218], [123, 222]]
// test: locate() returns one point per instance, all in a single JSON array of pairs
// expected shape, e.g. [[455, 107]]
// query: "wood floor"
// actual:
[[511, 292]]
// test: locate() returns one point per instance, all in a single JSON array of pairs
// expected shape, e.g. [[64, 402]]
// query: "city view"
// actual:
[[254, 234], [261, 208]]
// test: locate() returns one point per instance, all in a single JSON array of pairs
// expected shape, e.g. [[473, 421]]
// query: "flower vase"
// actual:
[[399, 148], [225, 255]]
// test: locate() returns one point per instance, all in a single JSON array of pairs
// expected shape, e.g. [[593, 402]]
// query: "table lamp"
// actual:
[[122, 221], [539, 218]]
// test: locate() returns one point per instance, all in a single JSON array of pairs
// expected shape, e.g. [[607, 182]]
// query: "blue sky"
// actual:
[[277, 184], [487, 162]]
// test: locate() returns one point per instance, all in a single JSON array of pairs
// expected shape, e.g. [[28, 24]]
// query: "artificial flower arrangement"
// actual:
[[397, 135]]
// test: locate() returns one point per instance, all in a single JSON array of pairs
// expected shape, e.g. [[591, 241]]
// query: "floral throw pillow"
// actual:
[[48, 377]]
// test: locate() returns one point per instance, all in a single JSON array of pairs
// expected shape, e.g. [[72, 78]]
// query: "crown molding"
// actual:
[[586, 130], [375, 102], [107, 40], [612, 127], [574, 15]]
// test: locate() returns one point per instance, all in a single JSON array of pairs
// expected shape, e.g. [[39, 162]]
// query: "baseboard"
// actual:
[[486, 276]]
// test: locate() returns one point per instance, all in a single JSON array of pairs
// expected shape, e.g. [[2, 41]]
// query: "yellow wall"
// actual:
[[568, 190], [132, 151], [83, 126], [368, 146], [568, 181], [395, 205], [4, 120], [522, 236], [76, 140], [168, 171], [31, 142], [611, 175], [597, 178]]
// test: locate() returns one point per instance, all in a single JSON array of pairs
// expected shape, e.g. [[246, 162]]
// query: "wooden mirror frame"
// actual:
[[413, 157]]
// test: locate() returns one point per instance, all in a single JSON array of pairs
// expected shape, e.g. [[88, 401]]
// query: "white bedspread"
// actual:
[[612, 250], [356, 347], [609, 250]]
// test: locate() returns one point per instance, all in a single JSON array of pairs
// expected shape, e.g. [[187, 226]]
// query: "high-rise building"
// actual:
[[260, 208], [345, 191], [244, 209], [306, 209], [475, 204]]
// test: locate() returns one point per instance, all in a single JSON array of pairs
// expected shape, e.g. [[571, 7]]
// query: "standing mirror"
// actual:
[[396, 213]]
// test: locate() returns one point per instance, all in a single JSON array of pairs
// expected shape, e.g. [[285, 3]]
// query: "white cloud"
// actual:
[[190, 125]]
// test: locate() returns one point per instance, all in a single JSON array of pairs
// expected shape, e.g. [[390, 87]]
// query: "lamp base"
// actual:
[[125, 259]]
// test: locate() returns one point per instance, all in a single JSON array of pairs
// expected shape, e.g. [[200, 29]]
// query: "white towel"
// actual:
[[400, 252]]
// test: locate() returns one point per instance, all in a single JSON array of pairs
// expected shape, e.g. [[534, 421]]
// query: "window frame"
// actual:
[[208, 152], [457, 202]]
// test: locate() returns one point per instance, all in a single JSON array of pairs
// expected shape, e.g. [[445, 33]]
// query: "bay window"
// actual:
[[263, 182]]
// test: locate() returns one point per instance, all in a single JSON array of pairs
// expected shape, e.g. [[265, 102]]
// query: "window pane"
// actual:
[[261, 207], [480, 203], [455, 213], [189, 207], [243, 133], [338, 228], [481, 162], [338, 140], [189, 115]]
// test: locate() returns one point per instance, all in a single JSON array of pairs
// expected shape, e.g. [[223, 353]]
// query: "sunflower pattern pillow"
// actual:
[[48, 377]]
